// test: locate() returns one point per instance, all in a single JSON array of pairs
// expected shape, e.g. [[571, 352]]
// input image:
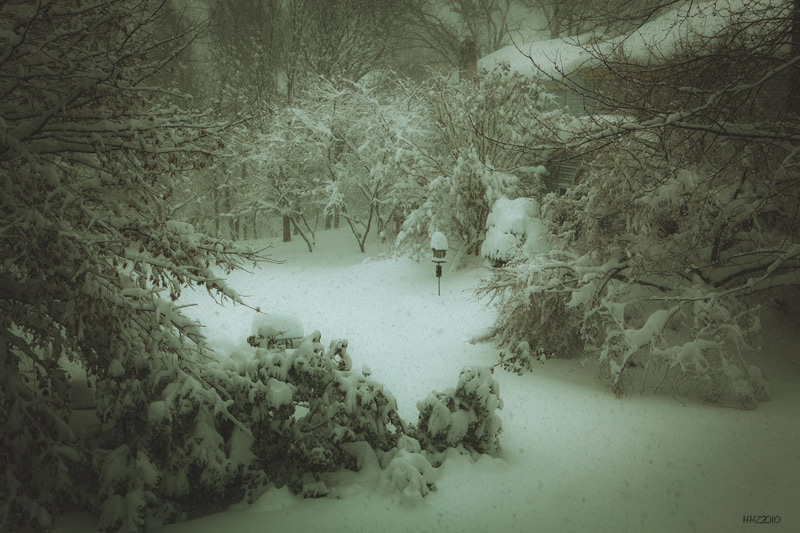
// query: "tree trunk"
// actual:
[[216, 212], [305, 237], [241, 221], [287, 229], [467, 60], [794, 73], [228, 212]]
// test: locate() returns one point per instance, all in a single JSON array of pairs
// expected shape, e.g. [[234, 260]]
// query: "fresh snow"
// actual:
[[652, 43], [277, 326], [513, 226], [439, 241], [574, 458]]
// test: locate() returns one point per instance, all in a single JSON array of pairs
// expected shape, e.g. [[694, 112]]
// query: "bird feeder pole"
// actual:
[[439, 247]]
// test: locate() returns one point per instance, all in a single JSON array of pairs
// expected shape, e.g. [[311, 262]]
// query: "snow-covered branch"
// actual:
[[91, 143]]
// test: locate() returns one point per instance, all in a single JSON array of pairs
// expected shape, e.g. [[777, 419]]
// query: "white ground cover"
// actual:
[[656, 41], [575, 458]]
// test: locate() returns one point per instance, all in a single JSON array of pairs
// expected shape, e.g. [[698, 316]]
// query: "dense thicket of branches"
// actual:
[[259, 59], [467, 158], [336, 155], [378, 153], [264, 52], [685, 214], [91, 263], [436, 29], [93, 143]]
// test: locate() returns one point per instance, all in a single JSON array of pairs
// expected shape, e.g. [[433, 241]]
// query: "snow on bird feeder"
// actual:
[[439, 247]]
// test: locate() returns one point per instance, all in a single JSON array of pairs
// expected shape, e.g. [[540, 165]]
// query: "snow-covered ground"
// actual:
[[575, 458]]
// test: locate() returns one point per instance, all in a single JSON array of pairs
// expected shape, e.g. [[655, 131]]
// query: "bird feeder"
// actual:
[[439, 247]]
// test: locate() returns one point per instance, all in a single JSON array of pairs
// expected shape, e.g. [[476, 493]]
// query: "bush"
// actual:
[[409, 471], [657, 273], [174, 443], [467, 158], [40, 453], [178, 444], [464, 416], [683, 220]]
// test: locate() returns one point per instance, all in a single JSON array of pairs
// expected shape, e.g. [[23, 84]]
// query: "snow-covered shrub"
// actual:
[[463, 417], [520, 357], [409, 471], [40, 453], [337, 152], [174, 444], [657, 267], [269, 330], [513, 228], [465, 160], [338, 353], [683, 220], [541, 318], [91, 259], [158, 445], [338, 407]]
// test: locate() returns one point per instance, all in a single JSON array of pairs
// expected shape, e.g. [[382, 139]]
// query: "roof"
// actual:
[[651, 44]]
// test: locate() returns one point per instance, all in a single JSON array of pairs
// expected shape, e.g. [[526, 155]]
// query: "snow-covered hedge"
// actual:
[[181, 444], [173, 444], [463, 417], [656, 271]]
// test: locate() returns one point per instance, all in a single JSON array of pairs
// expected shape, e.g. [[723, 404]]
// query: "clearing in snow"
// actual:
[[574, 457]]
